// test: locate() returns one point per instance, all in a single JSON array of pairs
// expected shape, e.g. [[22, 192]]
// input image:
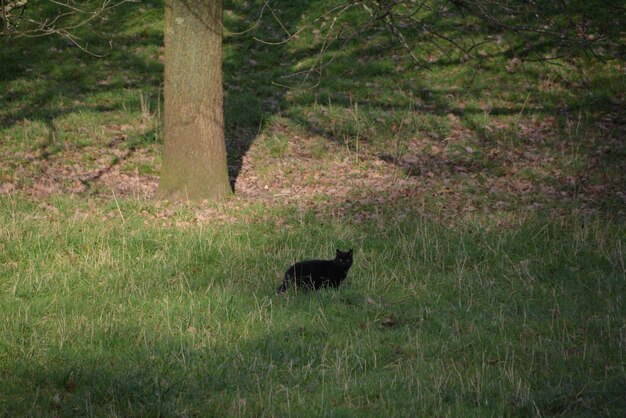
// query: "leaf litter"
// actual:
[[515, 171]]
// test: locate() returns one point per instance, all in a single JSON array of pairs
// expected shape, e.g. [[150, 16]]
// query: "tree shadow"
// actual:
[[63, 78], [49, 78], [594, 175], [250, 68], [66, 81], [134, 370]]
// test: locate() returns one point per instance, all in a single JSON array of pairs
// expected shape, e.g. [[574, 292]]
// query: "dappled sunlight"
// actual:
[[483, 197], [495, 139]]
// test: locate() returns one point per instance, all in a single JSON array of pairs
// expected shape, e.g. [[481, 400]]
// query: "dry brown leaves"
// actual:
[[453, 179], [106, 170]]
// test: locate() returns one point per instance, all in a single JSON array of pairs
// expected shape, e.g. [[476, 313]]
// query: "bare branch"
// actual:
[[459, 26], [11, 23]]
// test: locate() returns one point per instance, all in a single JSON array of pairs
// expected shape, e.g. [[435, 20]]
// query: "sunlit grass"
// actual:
[[495, 289], [114, 312]]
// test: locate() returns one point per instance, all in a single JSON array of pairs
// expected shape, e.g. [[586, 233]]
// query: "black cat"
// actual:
[[314, 274]]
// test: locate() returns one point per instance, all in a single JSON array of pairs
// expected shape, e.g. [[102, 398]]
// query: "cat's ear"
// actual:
[[350, 252], [338, 252]]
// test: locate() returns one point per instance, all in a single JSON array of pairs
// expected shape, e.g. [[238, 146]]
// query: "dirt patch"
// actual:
[[89, 171], [464, 176]]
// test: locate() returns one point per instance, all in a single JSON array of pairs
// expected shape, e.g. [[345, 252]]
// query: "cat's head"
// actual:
[[343, 259]]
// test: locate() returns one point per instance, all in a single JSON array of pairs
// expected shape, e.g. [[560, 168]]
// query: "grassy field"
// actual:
[[485, 202]]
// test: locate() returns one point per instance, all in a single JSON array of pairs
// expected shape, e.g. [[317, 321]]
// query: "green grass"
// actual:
[[109, 311], [484, 201]]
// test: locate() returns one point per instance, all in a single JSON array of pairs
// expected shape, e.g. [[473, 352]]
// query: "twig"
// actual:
[[48, 27]]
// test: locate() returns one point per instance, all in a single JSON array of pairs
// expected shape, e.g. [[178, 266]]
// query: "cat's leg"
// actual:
[[285, 284], [320, 283]]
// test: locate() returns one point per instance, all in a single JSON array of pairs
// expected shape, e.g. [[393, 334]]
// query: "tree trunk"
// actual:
[[194, 155]]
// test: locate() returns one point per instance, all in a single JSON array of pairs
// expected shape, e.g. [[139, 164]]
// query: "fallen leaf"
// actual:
[[390, 321], [512, 64], [6, 188]]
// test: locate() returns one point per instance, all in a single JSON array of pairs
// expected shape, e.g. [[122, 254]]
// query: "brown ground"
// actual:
[[452, 179]]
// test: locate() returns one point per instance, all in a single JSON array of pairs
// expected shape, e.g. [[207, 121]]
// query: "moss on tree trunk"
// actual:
[[194, 155]]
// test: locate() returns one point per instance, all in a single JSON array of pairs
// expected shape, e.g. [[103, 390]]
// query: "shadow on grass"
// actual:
[[47, 79], [321, 363], [160, 376]]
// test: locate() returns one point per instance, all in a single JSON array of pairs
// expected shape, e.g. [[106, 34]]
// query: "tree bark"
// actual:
[[194, 156]]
